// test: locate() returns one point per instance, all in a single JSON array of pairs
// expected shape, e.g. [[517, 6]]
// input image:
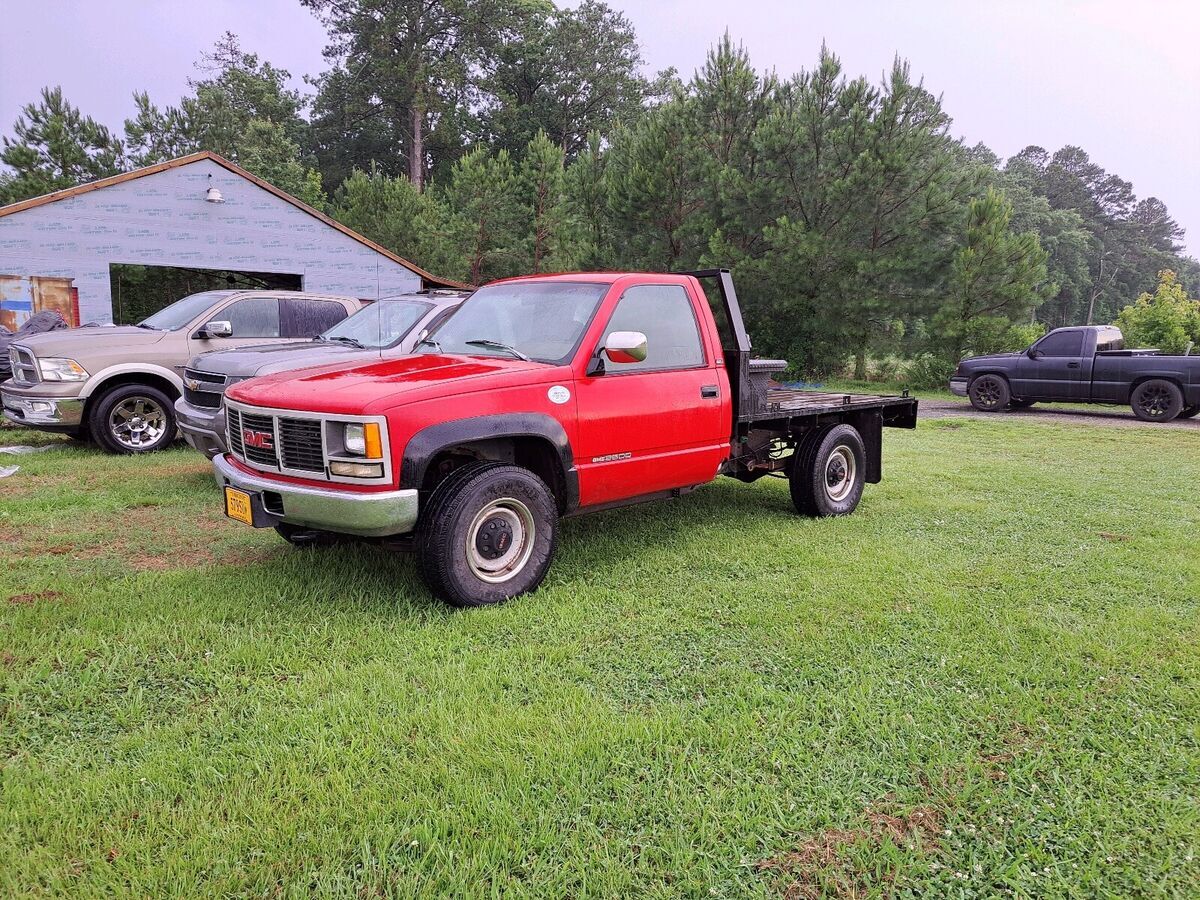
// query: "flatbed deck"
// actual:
[[788, 403]]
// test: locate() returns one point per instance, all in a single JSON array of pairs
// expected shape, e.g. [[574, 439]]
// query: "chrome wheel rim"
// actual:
[[137, 423], [840, 471], [987, 392], [500, 540], [1154, 401]]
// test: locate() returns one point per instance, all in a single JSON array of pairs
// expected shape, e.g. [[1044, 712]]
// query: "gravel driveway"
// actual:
[[1111, 416]]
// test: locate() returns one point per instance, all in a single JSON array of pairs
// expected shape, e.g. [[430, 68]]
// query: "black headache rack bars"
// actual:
[[737, 357], [754, 400]]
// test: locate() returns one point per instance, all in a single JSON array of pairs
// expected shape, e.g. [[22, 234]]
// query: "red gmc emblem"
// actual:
[[263, 440]]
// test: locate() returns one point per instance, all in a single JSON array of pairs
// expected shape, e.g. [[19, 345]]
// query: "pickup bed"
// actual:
[[542, 397], [1088, 364]]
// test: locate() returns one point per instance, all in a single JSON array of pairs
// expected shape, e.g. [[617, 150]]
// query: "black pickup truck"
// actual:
[[1088, 364]]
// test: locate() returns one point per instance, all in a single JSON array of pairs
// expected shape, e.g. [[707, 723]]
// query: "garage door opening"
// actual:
[[140, 291]]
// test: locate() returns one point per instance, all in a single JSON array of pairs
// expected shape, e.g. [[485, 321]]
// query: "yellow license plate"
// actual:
[[237, 505]]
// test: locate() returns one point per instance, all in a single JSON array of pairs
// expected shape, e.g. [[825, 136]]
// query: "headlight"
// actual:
[[363, 440], [55, 369]]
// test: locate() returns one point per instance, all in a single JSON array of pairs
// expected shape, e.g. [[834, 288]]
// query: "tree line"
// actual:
[[487, 138]]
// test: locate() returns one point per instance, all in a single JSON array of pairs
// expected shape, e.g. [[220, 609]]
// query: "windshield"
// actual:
[[181, 312], [379, 326], [543, 321]]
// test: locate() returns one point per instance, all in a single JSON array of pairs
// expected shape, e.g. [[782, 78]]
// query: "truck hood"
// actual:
[[70, 341], [991, 356], [267, 359], [379, 385]]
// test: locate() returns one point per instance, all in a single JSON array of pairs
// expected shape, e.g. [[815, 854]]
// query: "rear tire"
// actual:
[[829, 472], [488, 533], [132, 418], [989, 393], [1190, 411], [1156, 400]]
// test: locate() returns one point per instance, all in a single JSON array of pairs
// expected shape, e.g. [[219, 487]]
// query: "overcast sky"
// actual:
[[1121, 78]]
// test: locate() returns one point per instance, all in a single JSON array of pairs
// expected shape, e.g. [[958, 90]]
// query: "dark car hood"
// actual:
[[266, 359], [990, 356]]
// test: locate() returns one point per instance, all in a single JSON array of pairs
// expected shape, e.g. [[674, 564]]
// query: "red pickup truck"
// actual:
[[542, 397]]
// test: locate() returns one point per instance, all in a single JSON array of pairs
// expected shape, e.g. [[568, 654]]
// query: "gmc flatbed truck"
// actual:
[[542, 397]]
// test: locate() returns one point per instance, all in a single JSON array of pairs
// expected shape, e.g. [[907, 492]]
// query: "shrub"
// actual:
[[1166, 319], [928, 371]]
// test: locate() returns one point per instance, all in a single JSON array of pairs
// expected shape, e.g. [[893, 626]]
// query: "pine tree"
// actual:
[[485, 215], [999, 277], [55, 146], [540, 186]]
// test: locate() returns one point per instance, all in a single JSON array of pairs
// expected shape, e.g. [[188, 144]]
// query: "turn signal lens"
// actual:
[[357, 470], [373, 440]]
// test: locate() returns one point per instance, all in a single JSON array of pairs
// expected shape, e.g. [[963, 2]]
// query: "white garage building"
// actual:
[[196, 212]]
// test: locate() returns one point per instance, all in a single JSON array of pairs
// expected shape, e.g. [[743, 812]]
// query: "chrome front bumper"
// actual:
[[203, 429], [958, 386], [327, 509], [50, 413]]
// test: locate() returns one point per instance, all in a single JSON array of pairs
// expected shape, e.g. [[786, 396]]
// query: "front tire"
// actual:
[[828, 473], [488, 533], [1156, 400], [989, 393], [132, 418]]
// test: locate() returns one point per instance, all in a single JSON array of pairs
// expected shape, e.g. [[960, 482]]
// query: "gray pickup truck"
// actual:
[[117, 384], [387, 328], [1087, 364]]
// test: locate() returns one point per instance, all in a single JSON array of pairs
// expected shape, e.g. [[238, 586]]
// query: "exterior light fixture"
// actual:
[[213, 195]]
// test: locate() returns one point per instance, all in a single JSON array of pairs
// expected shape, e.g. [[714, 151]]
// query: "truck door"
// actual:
[[1055, 372], [659, 424]]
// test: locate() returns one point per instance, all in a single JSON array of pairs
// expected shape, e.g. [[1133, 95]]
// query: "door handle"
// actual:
[[1072, 365], [709, 391]]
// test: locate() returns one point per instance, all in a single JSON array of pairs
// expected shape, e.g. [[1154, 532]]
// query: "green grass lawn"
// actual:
[[986, 682]]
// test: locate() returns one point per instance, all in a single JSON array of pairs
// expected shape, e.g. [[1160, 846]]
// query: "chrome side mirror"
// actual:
[[218, 328], [625, 347]]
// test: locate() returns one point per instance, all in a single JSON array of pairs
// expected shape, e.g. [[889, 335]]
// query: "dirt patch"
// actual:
[[1113, 536], [31, 599], [822, 866], [145, 536]]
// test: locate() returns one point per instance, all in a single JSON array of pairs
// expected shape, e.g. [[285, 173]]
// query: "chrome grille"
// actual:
[[300, 444], [24, 365], [264, 456], [233, 421], [208, 391]]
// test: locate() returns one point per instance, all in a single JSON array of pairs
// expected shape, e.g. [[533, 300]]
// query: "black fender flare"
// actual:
[[430, 441]]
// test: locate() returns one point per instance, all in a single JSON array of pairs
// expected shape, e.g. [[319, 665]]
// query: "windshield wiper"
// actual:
[[353, 342], [147, 327], [497, 345], [431, 342]]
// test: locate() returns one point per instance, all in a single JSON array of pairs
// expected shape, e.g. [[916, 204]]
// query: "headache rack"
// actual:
[[756, 399]]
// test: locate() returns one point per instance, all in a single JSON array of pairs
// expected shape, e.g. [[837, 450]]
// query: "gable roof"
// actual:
[[67, 193]]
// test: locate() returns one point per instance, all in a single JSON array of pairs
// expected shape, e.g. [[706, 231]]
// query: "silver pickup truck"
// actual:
[[118, 384], [387, 328]]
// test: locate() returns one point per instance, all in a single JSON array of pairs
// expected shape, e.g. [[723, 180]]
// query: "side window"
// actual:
[[303, 318], [254, 317], [1065, 343], [662, 312]]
